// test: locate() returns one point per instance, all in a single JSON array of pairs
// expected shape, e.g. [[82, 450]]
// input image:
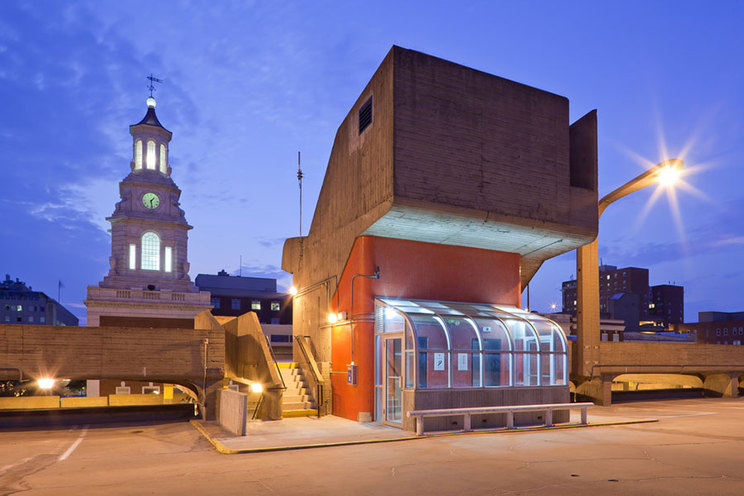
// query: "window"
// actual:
[[150, 251], [150, 389], [150, 159], [132, 256], [19, 308], [168, 262], [365, 115], [718, 332], [30, 318], [123, 390], [725, 331], [42, 319], [138, 154], [163, 161], [275, 306], [216, 303], [7, 318], [255, 305], [274, 320], [235, 304]]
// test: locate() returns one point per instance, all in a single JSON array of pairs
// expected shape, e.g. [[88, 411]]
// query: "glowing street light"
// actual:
[[664, 173], [45, 383]]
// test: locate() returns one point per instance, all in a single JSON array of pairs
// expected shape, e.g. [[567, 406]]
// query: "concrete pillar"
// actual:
[[587, 309], [725, 384], [599, 389]]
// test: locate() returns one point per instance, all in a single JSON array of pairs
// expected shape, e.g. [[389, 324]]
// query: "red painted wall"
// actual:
[[409, 269]]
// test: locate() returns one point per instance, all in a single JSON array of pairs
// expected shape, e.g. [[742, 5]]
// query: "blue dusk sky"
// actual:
[[248, 84]]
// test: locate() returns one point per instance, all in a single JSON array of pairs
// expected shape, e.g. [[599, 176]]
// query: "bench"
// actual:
[[467, 412]]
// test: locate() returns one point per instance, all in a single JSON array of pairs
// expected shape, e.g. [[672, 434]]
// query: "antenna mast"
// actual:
[[299, 180]]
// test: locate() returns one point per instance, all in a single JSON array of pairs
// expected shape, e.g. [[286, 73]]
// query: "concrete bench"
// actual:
[[467, 412]]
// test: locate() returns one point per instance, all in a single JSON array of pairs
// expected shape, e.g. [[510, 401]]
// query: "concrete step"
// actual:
[[299, 405], [295, 398], [306, 412]]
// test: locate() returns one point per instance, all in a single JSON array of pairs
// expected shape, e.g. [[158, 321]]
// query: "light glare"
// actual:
[[668, 176], [332, 318], [293, 290], [45, 383], [256, 388]]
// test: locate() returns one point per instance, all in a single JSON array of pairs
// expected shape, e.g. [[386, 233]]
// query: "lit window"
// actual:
[[30, 318], [163, 161], [255, 305], [138, 154], [42, 319], [150, 161], [275, 306], [216, 303], [235, 304], [19, 308], [150, 251], [132, 256], [168, 262]]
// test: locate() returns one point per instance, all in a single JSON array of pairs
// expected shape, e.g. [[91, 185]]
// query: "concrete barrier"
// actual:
[[29, 402], [134, 399], [83, 402], [232, 412]]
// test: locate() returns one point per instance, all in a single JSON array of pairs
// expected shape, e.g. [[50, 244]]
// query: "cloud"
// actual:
[[89, 202]]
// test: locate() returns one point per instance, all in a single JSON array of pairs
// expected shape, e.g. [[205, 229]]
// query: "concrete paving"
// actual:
[[694, 449], [313, 432]]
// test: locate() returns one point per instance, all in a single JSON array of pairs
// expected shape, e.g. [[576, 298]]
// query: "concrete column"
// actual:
[[587, 309], [726, 384], [599, 389]]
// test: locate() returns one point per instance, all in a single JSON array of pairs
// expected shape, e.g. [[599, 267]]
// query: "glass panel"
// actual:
[[433, 366], [163, 161], [132, 256], [393, 320], [150, 251], [150, 157], [526, 369], [525, 338], [168, 259], [494, 330], [138, 154], [410, 367], [393, 380], [463, 340], [378, 360]]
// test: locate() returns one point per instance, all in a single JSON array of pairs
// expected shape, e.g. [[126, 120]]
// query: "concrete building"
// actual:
[[444, 185], [148, 283], [717, 328], [625, 294], [19, 304]]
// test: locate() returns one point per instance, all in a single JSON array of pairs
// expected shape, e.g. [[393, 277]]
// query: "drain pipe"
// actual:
[[376, 275]]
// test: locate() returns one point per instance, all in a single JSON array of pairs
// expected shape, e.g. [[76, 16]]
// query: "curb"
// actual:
[[221, 448]]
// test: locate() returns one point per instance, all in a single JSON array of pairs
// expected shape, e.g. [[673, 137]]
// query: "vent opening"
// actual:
[[365, 115]]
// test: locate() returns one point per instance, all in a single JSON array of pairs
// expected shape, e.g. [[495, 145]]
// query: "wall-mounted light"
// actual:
[[256, 388], [293, 290], [332, 318]]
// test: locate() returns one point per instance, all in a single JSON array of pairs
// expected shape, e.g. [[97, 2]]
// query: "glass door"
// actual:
[[392, 380]]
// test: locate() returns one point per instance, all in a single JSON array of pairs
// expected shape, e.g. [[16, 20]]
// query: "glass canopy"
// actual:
[[468, 345]]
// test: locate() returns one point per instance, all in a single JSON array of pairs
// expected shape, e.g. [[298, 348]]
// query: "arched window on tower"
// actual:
[[163, 160], [138, 154], [150, 259], [150, 161]]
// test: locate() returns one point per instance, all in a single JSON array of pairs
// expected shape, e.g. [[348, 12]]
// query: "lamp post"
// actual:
[[587, 268]]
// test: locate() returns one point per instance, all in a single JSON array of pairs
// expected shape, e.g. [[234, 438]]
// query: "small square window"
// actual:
[[18, 319], [235, 304], [215, 303], [725, 331], [19, 308], [275, 306], [30, 318], [42, 319], [256, 305]]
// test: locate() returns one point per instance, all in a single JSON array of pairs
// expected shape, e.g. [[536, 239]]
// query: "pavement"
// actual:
[[329, 430]]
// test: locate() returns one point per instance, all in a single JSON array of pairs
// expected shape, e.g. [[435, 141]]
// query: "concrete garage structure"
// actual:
[[446, 189]]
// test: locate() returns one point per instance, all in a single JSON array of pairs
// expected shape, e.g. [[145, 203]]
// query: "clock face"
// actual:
[[150, 200]]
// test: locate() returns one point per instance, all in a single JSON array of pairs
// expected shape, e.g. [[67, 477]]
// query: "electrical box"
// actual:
[[351, 374]]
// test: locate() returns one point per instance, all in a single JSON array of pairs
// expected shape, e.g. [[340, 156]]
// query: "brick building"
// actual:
[[717, 328], [625, 294]]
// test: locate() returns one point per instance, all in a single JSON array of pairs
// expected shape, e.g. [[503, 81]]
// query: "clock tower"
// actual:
[[148, 284]]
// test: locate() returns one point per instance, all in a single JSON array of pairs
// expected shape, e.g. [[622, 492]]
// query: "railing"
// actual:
[[276, 364], [134, 295], [314, 378]]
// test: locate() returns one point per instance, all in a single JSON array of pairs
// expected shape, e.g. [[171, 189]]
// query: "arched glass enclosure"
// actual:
[[463, 345]]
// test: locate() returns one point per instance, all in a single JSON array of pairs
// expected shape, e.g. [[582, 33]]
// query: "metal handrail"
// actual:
[[276, 364], [258, 405], [313, 366]]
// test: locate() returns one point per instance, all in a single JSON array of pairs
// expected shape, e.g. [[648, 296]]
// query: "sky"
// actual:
[[249, 84]]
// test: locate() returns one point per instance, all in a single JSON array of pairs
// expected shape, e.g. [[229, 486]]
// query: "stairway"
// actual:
[[296, 401]]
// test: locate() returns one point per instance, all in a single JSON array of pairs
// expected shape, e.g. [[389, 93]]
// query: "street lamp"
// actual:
[[587, 267]]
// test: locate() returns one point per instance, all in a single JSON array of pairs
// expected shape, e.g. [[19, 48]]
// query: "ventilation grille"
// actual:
[[365, 115]]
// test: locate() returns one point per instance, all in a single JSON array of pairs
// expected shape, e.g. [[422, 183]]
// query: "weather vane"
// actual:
[[153, 79]]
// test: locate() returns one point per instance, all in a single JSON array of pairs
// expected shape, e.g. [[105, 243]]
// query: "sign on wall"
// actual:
[[438, 361]]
